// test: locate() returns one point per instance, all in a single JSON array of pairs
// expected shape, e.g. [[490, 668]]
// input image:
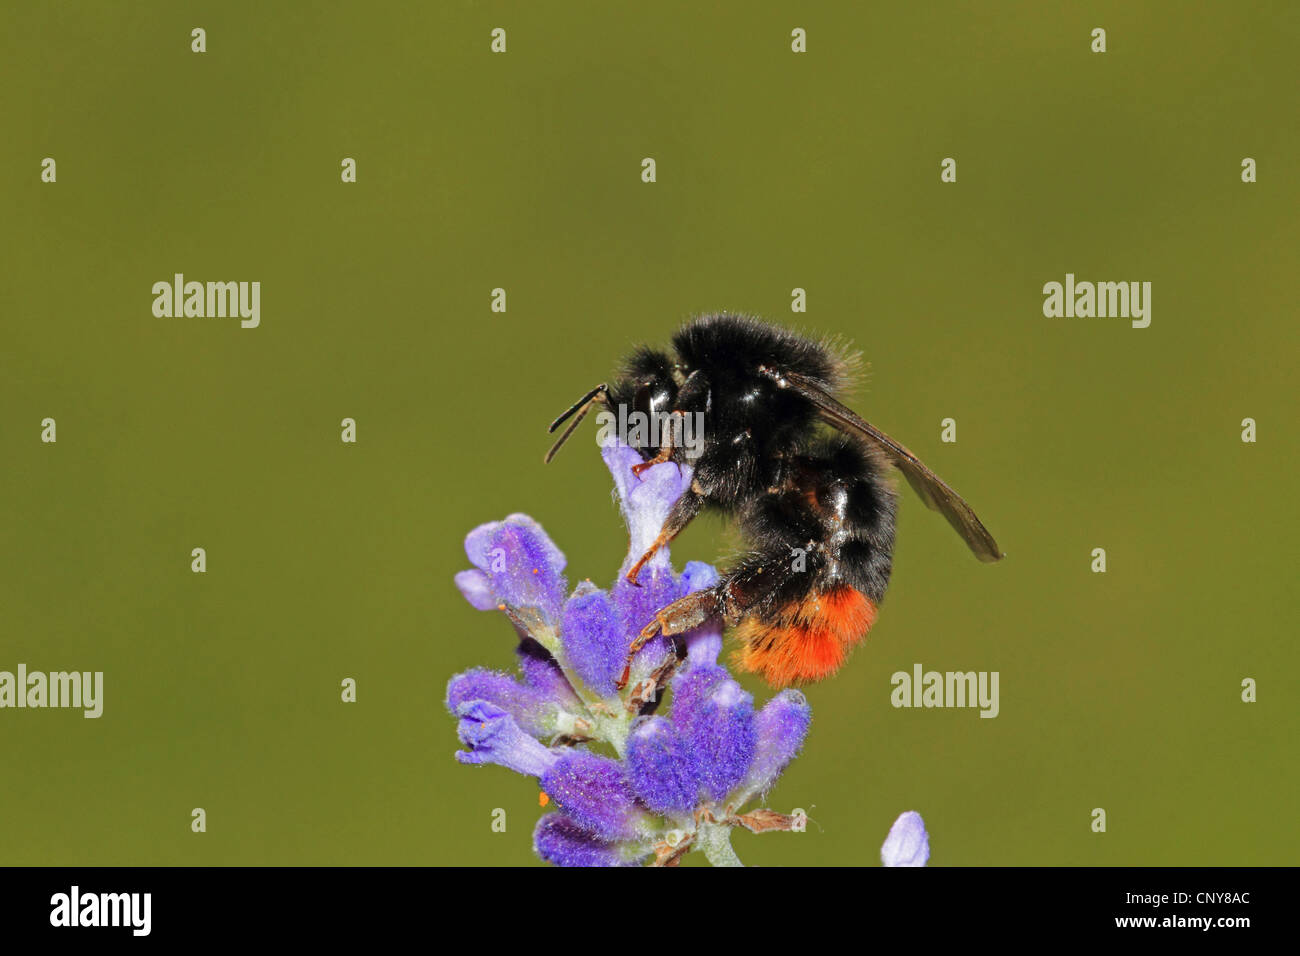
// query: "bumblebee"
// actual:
[[814, 507]]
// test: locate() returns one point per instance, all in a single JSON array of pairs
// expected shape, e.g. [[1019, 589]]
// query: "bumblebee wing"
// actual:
[[931, 489]]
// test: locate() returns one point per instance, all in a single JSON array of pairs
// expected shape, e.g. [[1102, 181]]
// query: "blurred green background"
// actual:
[[775, 171]]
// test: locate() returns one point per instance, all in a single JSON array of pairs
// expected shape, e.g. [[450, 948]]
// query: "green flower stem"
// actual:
[[715, 840]]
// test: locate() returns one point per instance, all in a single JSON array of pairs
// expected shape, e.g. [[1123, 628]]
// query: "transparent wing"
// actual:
[[931, 489]]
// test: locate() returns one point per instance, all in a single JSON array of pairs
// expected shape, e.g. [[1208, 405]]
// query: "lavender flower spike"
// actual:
[[628, 786]]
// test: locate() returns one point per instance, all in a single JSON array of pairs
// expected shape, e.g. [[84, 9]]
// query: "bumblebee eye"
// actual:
[[645, 399], [653, 396]]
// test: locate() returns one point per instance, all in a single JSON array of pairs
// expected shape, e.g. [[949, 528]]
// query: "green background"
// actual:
[[1118, 690]]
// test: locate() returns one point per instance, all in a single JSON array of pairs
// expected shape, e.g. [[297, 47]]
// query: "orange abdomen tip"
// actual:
[[808, 640]]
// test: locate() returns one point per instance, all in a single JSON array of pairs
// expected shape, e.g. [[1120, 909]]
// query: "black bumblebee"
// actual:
[[815, 509]]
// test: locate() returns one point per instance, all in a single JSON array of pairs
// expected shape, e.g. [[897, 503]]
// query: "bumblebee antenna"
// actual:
[[578, 408]]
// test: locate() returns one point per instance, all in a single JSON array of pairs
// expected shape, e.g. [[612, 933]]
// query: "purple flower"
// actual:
[[660, 767], [559, 840], [595, 640], [531, 709], [705, 644], [697, 576], [625, 785], [493, 737], [721, 739], [594, 792], [645, 500], [907, 844], [690, 691], [780, 728], [543, 673], [658, 588], [515, 564]]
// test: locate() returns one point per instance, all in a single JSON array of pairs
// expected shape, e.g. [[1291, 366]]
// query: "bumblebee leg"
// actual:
[[681, 514], [665, 446], [646, 696], [684, 614], [735, 595]]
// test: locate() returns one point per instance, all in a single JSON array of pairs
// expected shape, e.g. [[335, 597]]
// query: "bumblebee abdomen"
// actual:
[[805, 640]]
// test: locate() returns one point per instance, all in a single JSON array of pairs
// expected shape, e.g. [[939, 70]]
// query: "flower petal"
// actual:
[[644, 500], [595, 640], [543, 673], [907, 844], [660, 768], [530, 708], [697, 576], [593, 791], [493, 737], [704, 644], [638, 606], [780, 728], [476, 588], [522, 565], [690, 690], [558, 840], [720, 738]]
